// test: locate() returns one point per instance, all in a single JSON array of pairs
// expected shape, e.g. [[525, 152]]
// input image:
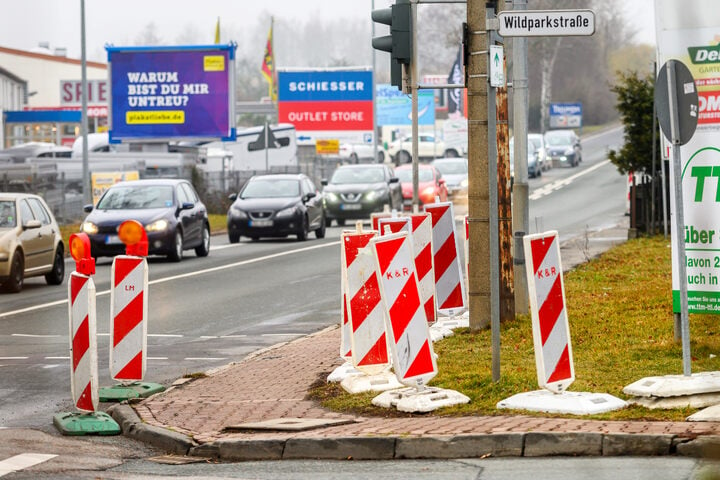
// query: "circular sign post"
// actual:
[[677, 109]]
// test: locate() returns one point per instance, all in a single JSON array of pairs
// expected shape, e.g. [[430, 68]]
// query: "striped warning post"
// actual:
[[83, 342], [449, 285], [413, 356], [551, 332], [467, 252], [369, 342], [394, 224], [128, 323], [422, 248], [345, 325]]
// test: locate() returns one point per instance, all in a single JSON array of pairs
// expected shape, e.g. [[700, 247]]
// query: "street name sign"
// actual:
[[546, 23]]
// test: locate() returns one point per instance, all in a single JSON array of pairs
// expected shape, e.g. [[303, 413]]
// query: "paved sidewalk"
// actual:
[[193, 417]]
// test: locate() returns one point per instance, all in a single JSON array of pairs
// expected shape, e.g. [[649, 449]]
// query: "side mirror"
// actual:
[[394, 180], [324, 182], [30, 224], [308, 196], [233, 197], [187, 206], [441, 181], [88, 208]]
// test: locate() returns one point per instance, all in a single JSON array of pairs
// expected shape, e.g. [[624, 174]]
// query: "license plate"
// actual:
[[112, 240], [261, 223], [350, 206]]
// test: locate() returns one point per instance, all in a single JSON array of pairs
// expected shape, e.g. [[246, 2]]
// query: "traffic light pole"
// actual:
[[414, 113]]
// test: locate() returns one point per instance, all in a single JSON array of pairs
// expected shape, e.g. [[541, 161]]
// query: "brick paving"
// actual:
[[273, 384]]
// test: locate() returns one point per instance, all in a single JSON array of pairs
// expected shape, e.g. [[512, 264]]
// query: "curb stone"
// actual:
[[620, 444], [461, 446], [356, 448], [548, 444], [133, 427]]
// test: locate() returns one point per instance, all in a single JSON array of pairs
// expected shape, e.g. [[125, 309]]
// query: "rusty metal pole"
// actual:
[[478, 187], [507, 277]]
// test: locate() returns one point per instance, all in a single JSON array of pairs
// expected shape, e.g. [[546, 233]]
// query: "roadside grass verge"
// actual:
[[621, 325]]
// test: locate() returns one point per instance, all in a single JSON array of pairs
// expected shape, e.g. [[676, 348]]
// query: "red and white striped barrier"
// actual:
[[375, 218], [467, 252], [422, 248], [449, 285], [393, 225], [83, 342], [128, 323], [551, 332], [551, 338]]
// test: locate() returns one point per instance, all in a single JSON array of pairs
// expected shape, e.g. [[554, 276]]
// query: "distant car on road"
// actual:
[[428, 148], [356, 191], [455, 173], [536, 141], [431, 185], [357, 152], [276, 206], [173, 215], [30, 242], [563, 147], [533, 160]]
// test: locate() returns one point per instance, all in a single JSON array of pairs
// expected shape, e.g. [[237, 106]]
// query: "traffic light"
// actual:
[[399, 42]]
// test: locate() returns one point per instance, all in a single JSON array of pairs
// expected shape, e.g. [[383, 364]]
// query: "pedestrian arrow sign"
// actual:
[[497, 66]]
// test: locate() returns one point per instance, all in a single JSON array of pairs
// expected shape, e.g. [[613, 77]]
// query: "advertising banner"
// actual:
[[326, 101], [395, 107], [160, 93], [683, 34], [565, 115]]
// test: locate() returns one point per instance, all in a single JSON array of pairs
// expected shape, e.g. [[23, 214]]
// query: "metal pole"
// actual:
[[679, 217], [414, 91], [520, 193], [374, 93], [493, 207], [87, 193], [653, 223], [267, 148]]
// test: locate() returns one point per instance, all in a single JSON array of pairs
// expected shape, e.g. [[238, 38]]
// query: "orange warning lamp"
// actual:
[[80, 251], [132, 234]]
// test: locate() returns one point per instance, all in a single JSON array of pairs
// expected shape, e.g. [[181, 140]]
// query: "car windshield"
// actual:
[[271, 188], [8, 219], [137, 197], [557, 140], [358, 175], [452, 167], [535, 142], [405, 175]]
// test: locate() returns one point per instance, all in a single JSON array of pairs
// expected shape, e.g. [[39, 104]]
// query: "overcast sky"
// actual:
[[25, 23]]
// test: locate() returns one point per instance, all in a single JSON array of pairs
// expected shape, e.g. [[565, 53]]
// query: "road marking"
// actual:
[[223, 247], [168, 335], [558, 184], [23, 461], [181, 276], [14, 358], [34, 336], [157, 358], [233, 336], [57, 358], [205, 358], [280, 334]]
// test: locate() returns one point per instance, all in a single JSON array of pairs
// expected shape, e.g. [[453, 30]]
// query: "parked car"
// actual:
[[431, 185], [428, 148], [455, 173], [30, 242], [563, 147], [356, 152], [276, 206], [536, 141], [171, 211], [356, 191], [533, 161]]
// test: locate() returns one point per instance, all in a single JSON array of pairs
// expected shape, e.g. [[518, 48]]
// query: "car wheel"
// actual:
[[233, 237], [354, 158], [57, 274], [15, 282], [380, 157], [302, 235], [177, 253], [328, 221], [320, 232], [340, 222], [404, 157], [451, 153], [204, 249]]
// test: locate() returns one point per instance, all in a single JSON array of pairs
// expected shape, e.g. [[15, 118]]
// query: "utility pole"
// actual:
[[520, 213]]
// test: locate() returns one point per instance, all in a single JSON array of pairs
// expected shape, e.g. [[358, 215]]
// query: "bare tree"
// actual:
[[149, 36]]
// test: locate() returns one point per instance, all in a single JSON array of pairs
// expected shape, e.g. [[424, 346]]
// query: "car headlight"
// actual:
[[331, 197], [374, 194], [237, 213], [429, 191], [157, 226], [89, 228], [286, 212]]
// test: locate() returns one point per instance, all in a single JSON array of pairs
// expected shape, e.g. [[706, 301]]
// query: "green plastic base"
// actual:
[[122, 392], [97, 423]]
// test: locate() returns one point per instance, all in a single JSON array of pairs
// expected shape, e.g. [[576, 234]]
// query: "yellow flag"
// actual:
[[268, 67], [217, 31]]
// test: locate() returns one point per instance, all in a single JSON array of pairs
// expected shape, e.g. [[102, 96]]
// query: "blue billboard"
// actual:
[[162, 93], [565, 115], [395, 107], [325, 86]]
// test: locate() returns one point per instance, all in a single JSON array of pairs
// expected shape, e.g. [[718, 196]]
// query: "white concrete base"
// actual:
[[438, 332], [453, 322], [426, 400], [342, 372], [574, 403], [701, 400], [710, 414], [371, 383], [675, 385]]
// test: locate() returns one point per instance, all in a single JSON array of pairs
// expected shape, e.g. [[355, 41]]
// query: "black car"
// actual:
[[356, 191], [170, 210], [276, 206]]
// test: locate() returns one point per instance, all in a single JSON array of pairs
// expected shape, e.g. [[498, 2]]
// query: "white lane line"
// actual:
[[157, 358], [558, 184], [14, 358], [229, 245], [205, 358], [34, 336], [57, 358], [280, 334], [23, 461], [181, 276], [233, 336], [168, 335]]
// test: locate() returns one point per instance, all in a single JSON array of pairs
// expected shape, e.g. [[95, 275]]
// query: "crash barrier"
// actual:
[[83, 349], [551, 338], [413, 358], [449, 285]]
